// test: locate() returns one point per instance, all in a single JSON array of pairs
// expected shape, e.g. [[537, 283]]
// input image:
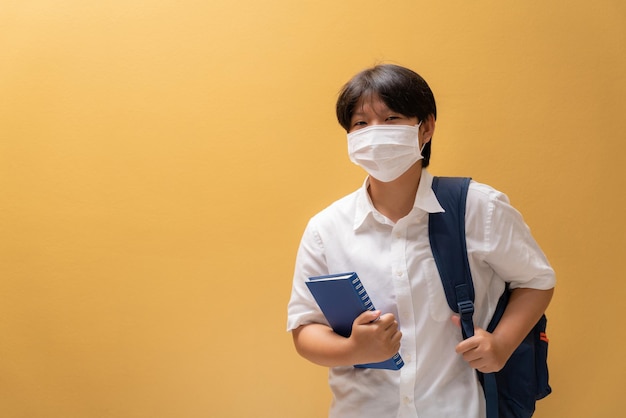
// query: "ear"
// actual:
[[427, 129]]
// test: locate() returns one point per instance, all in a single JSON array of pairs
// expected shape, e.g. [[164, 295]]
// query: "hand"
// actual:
[[483, 351], [375, 337]]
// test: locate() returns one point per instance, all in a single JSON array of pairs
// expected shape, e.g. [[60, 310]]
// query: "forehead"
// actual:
[[370, 103]]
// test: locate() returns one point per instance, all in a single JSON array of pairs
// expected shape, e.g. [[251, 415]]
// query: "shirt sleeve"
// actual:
[[310, 261], [508, 245]]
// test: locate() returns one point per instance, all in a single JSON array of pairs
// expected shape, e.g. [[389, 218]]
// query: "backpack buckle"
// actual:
[[466, 308], [466, 311]]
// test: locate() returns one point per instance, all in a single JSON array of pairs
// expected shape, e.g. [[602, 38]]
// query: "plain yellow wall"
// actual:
[[159, 161]]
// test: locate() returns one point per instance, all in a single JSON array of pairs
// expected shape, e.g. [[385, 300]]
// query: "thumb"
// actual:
[[456, 320], [367, 317]]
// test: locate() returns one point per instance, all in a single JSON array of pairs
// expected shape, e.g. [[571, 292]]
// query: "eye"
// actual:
[[392, 118], [359, 123]]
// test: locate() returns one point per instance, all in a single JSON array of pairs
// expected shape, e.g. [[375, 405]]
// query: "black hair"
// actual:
[[401, 89]]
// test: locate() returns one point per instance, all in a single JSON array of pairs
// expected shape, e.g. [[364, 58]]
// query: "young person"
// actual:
[[380, 231]]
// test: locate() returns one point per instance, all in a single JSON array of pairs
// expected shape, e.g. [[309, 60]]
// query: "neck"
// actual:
[[395, 199]]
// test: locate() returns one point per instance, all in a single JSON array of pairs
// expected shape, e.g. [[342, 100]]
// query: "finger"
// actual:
[[473, 357], [367, 317], [390, 326], [477, 364], [456, 320], [387, 318], [467, 345]]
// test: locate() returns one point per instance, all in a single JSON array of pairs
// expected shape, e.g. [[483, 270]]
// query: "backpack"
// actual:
[[512, 391]]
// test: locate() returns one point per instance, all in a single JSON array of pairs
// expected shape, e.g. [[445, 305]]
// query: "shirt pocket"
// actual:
[[437, 302]]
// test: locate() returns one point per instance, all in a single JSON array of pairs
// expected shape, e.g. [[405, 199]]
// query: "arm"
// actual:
[[506, 246], [489, 352], [374, 338]]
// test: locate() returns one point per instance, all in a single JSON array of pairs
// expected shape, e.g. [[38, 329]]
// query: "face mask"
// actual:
[[385, 151]]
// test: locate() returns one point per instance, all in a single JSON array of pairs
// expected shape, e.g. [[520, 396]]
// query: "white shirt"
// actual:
[[396, 266]]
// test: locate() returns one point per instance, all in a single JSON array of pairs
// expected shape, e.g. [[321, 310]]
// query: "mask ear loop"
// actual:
[[424, 145]]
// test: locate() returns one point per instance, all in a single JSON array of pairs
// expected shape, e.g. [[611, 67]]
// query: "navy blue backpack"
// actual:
[[513, 391]]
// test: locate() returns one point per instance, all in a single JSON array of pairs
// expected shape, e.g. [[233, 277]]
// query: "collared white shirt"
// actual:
[[396, 266]]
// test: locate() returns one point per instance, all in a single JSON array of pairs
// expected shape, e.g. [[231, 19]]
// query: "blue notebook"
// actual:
[[342, 298]]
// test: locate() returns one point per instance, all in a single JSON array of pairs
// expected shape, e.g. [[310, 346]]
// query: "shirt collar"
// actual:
[[425, 200]]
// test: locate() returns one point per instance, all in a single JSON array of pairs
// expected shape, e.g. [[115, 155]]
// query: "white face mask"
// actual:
[[385, 151]]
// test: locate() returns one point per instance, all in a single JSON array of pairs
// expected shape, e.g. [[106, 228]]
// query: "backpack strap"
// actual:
[[446, 232]]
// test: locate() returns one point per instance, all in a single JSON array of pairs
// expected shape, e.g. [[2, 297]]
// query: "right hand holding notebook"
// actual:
[[375, 337]]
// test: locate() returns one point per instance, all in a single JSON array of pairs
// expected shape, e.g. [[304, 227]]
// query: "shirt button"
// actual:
[[407, 400], [399, 273]]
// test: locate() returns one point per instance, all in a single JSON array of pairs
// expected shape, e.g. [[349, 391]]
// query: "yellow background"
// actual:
[[159, 160]]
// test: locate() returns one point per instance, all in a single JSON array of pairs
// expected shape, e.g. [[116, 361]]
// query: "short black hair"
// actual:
[[401, 89]]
